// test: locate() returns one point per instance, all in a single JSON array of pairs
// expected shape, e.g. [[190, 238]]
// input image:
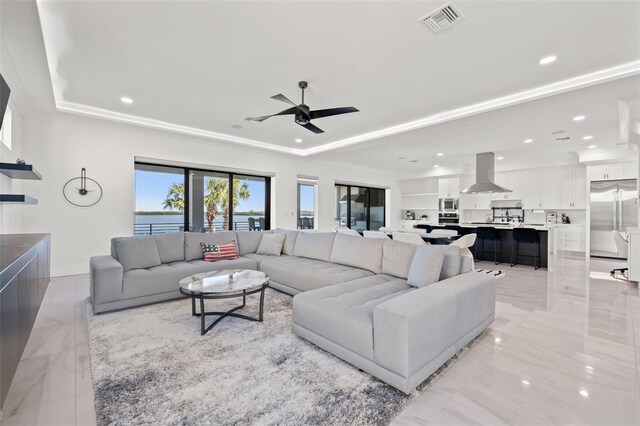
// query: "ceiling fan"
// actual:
[[303, 114]]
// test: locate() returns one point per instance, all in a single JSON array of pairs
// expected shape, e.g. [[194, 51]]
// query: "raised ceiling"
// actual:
[[201, 67]]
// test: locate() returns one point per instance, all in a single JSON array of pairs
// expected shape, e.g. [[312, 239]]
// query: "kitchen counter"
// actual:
[[502, 225]]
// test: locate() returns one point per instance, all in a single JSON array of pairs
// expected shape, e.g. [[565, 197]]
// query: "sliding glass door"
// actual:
[[199, 200], [360, 208]]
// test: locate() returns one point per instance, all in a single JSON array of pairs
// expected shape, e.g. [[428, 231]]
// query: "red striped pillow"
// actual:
[[213, 252]]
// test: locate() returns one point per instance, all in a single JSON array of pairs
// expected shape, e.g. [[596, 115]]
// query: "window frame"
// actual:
[[314, 184], [367, 192], [230, 176]]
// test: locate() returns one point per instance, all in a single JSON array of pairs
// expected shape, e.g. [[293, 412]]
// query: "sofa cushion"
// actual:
[[165, 278], [192, 240], [305, 274], [451, 263], [248, 241], [170, 246], [289, 241], [426, 266], [363, 253], [343, 313], [271, 245], [397, 257], [137, 252], [257, 257], [314, 245]]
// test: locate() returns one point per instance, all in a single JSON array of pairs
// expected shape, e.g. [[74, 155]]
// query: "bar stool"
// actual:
[[525, 235], [492, 234]]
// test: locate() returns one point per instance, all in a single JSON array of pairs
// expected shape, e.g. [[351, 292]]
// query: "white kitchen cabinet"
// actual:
[[573, 188], [630, 170], [549, 189], [531, 189], [473, 201], [571, 237], [427, 201], [509, 180], [449, 187], [611, 171]]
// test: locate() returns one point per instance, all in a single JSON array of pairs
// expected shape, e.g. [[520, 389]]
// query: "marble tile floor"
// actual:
[[564, 349]]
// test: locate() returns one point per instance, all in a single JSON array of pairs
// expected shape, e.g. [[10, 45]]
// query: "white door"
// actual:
[[566, 187], [579, 188], [597, 172], [444, 187], [454, 187], [513, 182]]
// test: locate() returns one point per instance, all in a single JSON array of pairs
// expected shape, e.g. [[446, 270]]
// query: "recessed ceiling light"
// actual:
[[298, 140], [498, 340], [500, 158], [579, 118], [126, 100], [587, 138], [584, 393], [435, 166], [525, 382], [592, 146], [548, 60], [439, 154], [588, 367], [528, 140]]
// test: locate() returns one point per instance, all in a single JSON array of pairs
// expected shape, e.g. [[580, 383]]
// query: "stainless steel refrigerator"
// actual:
[[613, 208]]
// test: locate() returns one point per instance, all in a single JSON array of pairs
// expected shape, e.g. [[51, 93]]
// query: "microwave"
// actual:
[[448, 204]]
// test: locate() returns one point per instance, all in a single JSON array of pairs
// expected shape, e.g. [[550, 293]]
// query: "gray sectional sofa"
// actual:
[[352, 295]]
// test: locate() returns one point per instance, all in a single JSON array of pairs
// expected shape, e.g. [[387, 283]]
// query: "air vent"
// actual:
[[566, 138], [443, 17]]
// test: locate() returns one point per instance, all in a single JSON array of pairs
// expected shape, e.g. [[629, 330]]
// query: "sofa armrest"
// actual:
[[412, 329], [106, 275]]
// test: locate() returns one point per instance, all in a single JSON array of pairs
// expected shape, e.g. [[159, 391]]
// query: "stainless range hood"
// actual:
[[485, 173]]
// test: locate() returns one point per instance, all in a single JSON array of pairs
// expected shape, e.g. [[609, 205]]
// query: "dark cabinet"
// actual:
[[24, 278]]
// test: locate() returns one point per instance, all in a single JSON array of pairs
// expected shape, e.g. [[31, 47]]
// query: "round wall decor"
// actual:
[[82, 191]]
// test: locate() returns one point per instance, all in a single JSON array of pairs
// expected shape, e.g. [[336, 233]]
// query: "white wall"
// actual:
[[59, 147], [10, 214]]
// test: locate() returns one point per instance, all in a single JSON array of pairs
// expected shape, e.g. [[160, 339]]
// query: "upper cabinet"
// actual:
[[509, 180], [540, 189], [449, 187], [473, 201], [612, 171], [573, 188]]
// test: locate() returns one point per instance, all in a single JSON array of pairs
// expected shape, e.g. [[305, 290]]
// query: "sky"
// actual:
[[152, 188]]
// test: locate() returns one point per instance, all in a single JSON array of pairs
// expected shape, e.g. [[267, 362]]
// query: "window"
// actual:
[[172, 199], [5, 132], [160, 202], [307, 204], [360, 208]]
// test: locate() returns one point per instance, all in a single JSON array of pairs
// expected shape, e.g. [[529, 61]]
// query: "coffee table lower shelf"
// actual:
[[204, 329]]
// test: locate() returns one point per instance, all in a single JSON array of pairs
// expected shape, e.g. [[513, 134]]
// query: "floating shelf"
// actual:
[[20, 171], [17, 199]]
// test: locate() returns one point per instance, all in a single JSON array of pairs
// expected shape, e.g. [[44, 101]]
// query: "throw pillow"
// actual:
[[451, 263], [213, 252], [271, 244], [425, 266]]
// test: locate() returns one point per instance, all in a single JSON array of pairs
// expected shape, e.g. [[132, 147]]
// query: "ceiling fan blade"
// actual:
[[292, 110], [313, 128], [282, 98], [331, 111]]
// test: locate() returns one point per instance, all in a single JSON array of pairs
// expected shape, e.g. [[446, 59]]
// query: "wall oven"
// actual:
[[445, 218], [448, 204]]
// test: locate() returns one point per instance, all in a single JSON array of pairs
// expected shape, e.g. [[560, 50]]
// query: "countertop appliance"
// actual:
[[448, 218], [613, 208], [565, 218], [448, 204], [552, 217], [409, 215]]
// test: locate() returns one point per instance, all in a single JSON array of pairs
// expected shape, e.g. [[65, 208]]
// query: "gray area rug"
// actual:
[[151, 366]]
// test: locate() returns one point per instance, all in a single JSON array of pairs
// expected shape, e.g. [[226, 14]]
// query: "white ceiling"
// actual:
[[201, 67], [504, 132]]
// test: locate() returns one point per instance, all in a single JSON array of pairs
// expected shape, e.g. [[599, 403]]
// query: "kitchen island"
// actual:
[[506, 236]]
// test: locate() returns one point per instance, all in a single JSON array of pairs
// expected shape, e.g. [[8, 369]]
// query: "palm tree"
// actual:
[[217, 199], [175, 197]]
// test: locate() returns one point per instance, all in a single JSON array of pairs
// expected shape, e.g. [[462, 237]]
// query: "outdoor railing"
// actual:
[[163, 228]]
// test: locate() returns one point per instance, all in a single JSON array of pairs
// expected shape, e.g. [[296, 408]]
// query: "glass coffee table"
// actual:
[[225, 284]]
